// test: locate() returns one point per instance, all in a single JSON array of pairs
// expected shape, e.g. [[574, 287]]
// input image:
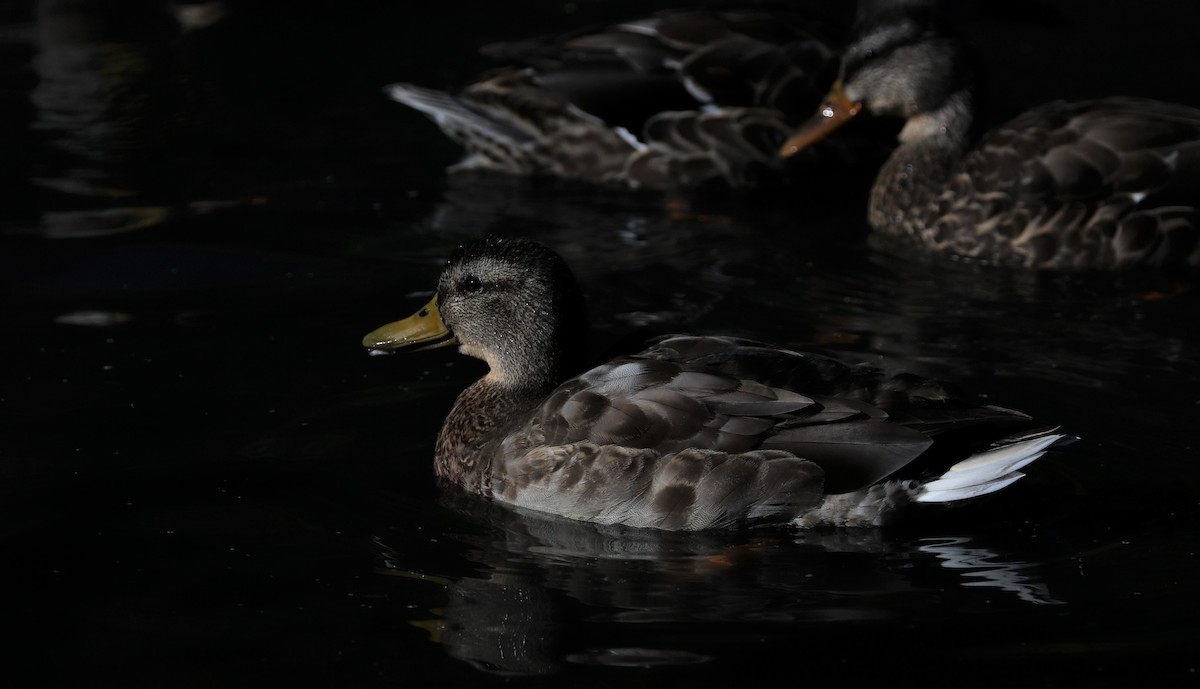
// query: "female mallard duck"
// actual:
[[1103, 184], [695, 432], [677, 100]]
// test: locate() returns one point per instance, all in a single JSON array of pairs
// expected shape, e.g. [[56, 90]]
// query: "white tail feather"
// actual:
[[979, 474], [426, 100], [454, 115], [986, 472], [972, 491]]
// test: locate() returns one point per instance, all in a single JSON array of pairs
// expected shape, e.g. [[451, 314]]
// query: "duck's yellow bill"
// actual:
[[835, 111], [420, 331]]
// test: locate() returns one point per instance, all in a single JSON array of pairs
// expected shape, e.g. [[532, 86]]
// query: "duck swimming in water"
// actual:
[[1102, 184], [677, 100], [695, 432]]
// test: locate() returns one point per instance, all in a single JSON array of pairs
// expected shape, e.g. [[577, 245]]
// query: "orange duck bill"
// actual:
[[835, 111]]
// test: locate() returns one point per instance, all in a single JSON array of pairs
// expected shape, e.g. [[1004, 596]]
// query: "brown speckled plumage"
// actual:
[[695, 432], [1103, 184], [678, 99], [463, 451]]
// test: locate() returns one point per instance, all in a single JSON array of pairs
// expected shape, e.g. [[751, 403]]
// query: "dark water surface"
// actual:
[[206, 482]]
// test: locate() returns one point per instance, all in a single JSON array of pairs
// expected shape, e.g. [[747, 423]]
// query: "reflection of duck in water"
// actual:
[[695, 432], [516, 612], [675, 100], [1097, 184]]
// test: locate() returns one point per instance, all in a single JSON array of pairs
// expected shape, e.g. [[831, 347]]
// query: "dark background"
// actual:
[[205, 481]]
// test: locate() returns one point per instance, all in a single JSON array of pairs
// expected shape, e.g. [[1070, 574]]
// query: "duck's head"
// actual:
[[511, 302], [902, 64]]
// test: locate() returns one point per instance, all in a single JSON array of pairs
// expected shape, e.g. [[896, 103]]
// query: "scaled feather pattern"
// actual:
[[677, 100]]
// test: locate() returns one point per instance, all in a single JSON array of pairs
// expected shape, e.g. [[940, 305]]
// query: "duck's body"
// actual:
[[676, 100], [1103, 184], [694, 432], [1113, 183]]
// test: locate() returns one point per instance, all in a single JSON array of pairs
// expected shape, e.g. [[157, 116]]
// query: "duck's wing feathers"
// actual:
[[678, 99], [655, 413], [1110, 182], [508, 124], [682, 59], [667, 407], [648, 442], [690, 147], [751, 75], [863, 424], [704, 432]]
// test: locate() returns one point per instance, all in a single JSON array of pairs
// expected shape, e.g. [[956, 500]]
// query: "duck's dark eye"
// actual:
[[470, 284]]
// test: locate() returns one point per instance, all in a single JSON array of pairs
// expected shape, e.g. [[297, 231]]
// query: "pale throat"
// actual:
[[497, 374], [949, 124], [502, 373]]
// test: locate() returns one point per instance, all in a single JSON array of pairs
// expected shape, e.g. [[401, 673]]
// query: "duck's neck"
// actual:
[[918, 170], [485, 413], [481, 414]]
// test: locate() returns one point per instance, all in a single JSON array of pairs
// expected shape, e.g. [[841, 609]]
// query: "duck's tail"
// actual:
[[989, 471], [490, 141], [980, 474]]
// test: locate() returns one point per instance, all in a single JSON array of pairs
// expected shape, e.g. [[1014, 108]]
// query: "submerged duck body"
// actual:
[[1103, 184], [676, 100], [695, 432]]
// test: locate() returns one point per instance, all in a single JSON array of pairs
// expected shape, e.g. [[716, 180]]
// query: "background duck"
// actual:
[[696, 432], [677, 100], [1105, 184]]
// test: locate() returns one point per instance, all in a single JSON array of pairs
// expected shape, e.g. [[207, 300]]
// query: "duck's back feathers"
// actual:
[[681, 436], [679, 59], [679, 99], [1108, 183]]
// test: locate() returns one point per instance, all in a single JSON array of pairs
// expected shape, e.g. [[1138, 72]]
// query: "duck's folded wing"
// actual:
[[667, 408], [733, 144], [663, 406], [738, 58], [1113, 181], [806, 372], [853, 454]]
